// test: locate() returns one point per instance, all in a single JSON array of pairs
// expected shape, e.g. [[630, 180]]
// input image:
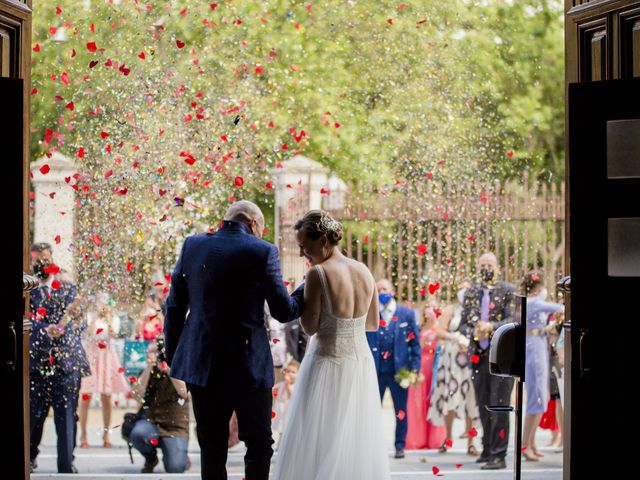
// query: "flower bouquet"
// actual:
[[408, 378]]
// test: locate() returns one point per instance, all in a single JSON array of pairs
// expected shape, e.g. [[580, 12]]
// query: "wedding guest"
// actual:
[[150, 323], [454, 395], [552, 418], [107, 375], [57, 359], [421, 433], [396, 348], [165, 421], [536, 359], [275, 332], [488, 305], [296, 339], [282, 392]]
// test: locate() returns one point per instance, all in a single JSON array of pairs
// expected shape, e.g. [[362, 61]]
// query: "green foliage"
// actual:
[[383, 90]]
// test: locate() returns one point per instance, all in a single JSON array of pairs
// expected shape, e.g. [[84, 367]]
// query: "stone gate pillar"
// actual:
[[53, 214], [299, 187]]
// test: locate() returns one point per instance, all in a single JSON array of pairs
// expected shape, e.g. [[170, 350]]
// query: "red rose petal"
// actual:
[[448, 442], [42, 312], [179, 43], [473, 432], [475, 358], [44, 169], [52, 269], [56, 284], [239, 181], [153, 441], [92, 47], [102, 346], [401, 415], [86, 396]]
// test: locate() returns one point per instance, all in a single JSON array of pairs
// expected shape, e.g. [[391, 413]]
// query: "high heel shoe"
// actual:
[[107, 444], [84, 444], [529, 456], [443, 448]]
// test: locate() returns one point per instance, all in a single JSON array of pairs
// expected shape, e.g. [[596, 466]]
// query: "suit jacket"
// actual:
[[501, 308], [214, 319], [61, 355], [406, 342]]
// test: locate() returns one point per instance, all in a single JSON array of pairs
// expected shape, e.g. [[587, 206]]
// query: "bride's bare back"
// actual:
[[351, 288]]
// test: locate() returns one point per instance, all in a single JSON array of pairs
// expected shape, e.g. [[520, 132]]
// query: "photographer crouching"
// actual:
[[163, 420]]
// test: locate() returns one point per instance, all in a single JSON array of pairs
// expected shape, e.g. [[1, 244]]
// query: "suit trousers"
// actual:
[[213, 407], [60, 391], [492, 390], [399, 396]]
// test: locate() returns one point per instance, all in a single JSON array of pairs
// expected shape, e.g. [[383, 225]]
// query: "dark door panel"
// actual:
[[604, 211]]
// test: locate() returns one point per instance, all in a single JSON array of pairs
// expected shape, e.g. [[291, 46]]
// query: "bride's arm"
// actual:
[[373, 316], [310, 319]]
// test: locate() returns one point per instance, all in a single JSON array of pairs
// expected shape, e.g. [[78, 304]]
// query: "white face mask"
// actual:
[[542, 295], [460, 294]]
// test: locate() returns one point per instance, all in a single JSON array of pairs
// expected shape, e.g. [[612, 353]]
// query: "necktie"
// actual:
[[484, 314], [484, 305]]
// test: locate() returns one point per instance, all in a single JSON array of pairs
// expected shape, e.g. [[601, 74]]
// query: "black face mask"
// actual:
[[39, 269], [486, 275]]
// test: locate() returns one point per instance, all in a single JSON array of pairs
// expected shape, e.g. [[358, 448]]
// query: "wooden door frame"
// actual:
[[15, 63]]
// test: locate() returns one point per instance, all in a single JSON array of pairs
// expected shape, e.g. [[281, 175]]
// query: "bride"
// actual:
[[333, 428]]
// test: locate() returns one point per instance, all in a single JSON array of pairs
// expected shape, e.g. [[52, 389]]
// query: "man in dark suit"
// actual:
[[57, 358], [487, 305], [395, 346], [216, 340]]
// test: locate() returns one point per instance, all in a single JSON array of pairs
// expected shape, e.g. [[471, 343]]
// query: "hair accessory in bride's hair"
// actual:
[[328, 224]]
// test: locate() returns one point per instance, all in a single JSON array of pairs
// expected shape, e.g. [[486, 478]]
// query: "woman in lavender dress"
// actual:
[[537, 358]]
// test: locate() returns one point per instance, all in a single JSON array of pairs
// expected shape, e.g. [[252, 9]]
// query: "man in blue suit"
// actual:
[[215, 337], [57, 358], [395, 346]]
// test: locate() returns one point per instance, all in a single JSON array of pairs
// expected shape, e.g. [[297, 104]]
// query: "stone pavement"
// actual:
[[114, 464]]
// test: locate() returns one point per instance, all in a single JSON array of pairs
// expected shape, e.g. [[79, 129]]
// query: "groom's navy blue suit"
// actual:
[[216, 341]]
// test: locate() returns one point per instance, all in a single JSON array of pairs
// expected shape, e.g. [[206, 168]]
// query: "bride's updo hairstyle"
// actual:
[[316, 223]]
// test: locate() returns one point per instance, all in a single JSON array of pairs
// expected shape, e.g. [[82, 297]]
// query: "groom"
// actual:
[[215, 337]]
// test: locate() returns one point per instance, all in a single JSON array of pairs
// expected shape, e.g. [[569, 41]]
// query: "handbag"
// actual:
[[128, 423]]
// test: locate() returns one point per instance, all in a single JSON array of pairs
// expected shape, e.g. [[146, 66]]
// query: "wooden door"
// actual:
[[15, 48], [602, 40]]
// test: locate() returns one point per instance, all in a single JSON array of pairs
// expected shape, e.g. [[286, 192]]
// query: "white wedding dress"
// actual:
[[333, 429]]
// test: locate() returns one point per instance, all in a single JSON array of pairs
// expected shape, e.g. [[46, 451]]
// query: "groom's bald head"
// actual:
[[246, 212]]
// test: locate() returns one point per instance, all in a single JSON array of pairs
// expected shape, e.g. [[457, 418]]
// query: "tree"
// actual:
[[172, 108]]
